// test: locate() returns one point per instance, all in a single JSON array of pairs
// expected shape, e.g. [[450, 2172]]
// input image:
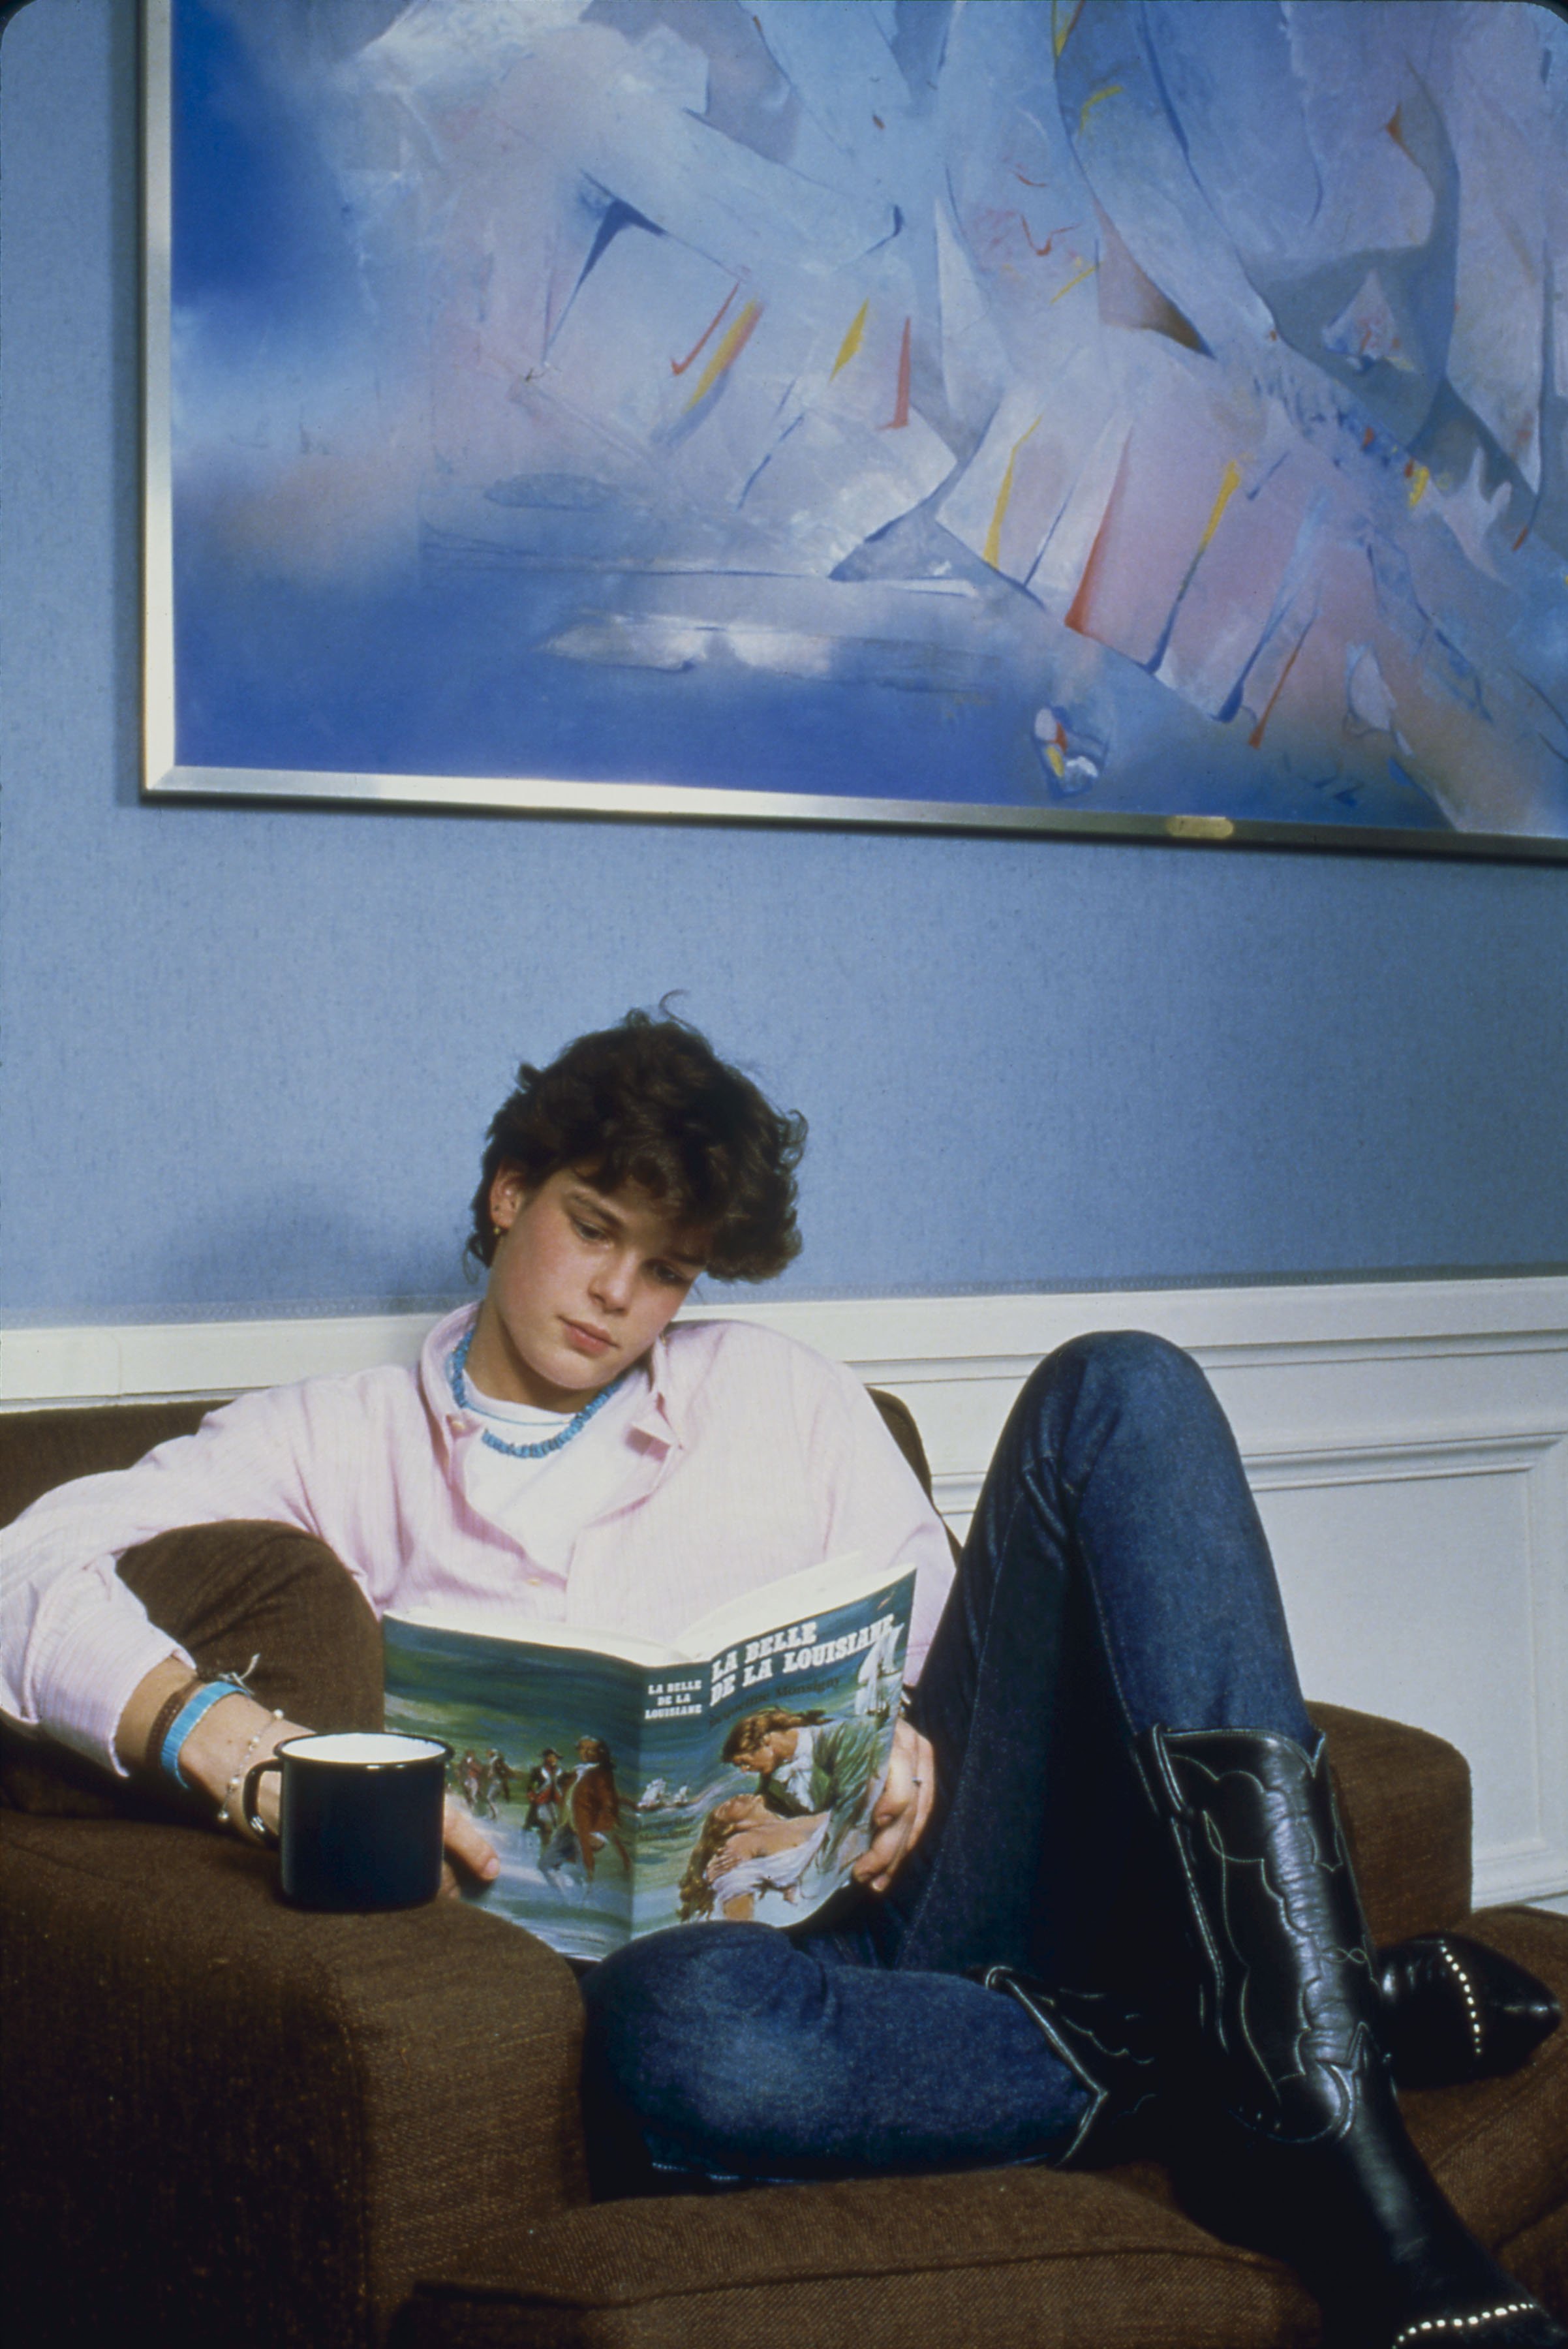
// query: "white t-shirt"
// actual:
[[544, 1504]]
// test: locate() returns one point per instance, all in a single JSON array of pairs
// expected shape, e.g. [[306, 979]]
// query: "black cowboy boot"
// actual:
[[1454, 2010], [1111, 2048], [1294, 2139]]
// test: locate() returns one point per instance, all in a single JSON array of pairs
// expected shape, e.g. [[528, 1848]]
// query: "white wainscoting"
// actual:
[[1408, 1443]]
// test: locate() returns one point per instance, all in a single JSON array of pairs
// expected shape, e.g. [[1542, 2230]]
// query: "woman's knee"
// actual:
[[662, 1999], [1131, 1370], [678, 2024]]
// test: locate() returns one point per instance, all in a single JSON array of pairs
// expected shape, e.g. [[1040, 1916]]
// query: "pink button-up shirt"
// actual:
[[752, 1456]]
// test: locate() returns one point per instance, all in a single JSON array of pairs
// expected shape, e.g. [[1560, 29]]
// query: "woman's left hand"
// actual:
[[469, 1860], [900, 1818]]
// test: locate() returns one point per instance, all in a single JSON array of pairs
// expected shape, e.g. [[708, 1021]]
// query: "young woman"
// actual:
[[1106, 1753]]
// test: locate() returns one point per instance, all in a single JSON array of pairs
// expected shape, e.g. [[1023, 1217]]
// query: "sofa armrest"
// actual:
[[251, 2125], [1405, 1798]]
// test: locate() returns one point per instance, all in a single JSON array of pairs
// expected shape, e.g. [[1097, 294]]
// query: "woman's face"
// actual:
[[738, 1811], [581, 1284]]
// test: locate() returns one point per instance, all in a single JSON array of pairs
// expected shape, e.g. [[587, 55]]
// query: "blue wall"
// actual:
[[249, 1055]]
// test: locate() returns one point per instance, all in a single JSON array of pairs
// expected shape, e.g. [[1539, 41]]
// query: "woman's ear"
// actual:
[[508, 1196]]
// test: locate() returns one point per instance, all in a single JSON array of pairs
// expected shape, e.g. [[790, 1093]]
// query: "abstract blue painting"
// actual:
[[1139, 414]]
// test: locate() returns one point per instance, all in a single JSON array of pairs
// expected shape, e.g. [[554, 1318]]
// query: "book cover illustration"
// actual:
[[624, 1789]]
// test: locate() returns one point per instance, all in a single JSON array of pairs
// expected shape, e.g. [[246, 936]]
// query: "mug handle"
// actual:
[[253, 1819]]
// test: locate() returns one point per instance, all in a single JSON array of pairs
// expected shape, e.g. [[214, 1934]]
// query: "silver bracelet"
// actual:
[[224, 1819]]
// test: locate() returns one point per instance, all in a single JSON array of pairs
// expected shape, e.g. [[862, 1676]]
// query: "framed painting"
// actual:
[[1030, 415]]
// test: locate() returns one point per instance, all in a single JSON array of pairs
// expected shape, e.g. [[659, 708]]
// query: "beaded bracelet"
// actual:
[[225, 1818], [204, 1697]]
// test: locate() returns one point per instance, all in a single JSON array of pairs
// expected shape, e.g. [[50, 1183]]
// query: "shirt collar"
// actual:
[[795, 1775], [446, 1420], [660, 1418]]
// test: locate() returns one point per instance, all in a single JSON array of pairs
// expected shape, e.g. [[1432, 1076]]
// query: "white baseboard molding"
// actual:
[[1408, 1443]]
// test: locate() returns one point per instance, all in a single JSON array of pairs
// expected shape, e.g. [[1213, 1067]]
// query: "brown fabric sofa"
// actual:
[[226, 2122]]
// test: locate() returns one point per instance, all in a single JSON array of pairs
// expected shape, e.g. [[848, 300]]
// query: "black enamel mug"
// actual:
[[359, 1818]]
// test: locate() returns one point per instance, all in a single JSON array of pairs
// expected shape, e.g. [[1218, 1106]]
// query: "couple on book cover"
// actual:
[[814, 1779]]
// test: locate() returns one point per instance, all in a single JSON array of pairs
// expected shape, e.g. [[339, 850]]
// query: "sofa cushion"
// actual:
[[1009, 2258], [41, 1448]]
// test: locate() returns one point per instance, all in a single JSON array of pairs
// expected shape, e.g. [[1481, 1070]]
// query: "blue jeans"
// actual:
[[1116, 1575]]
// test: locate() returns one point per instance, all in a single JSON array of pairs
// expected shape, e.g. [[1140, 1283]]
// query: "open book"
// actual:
[[626, 1788]]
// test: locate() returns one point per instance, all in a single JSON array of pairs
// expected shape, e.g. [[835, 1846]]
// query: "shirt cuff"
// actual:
[[94, 1669]]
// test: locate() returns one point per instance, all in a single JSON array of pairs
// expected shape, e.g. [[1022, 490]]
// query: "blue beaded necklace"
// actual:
[[522, 1451]]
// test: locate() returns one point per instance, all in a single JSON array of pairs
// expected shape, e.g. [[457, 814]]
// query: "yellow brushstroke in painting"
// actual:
[[1087, 271], [1419, 477], [1060, 29], [727, 352], [991, 551], [1229, 483], [1111, 89], [852, 340]]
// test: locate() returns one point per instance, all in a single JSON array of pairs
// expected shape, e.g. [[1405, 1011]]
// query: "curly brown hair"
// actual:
[[649, 1101]]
